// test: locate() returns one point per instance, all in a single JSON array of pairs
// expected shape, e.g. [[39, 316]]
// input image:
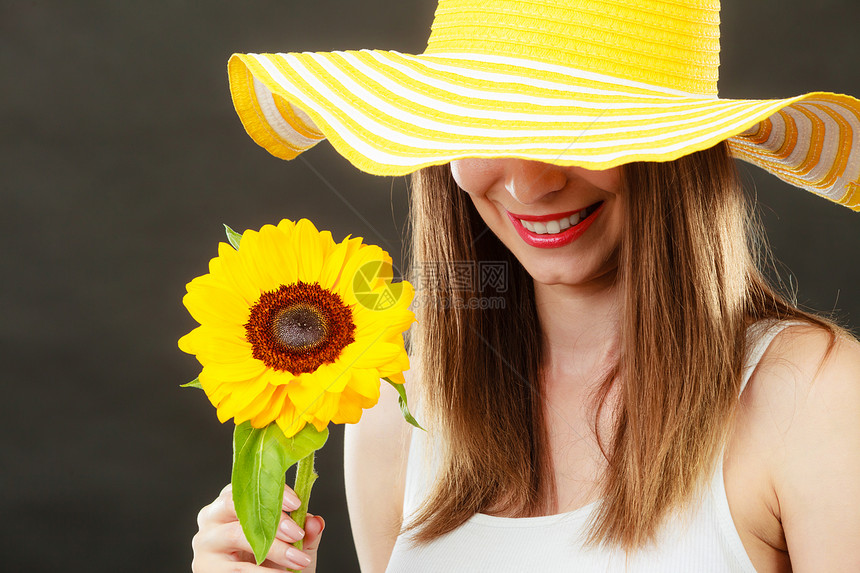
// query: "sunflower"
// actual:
[[297, 329]]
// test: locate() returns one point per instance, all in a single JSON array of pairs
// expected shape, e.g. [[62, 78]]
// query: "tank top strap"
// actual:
[[422, 466], [759, 337]]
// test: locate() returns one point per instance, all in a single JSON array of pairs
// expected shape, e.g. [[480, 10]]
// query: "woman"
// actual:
[[643, 399]]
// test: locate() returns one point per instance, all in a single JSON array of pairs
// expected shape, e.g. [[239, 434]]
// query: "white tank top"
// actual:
[[700, 539]]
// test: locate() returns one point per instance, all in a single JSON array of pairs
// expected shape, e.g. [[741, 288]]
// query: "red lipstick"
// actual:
[[547, 241]]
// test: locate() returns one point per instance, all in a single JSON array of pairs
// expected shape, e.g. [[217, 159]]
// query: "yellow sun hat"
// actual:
[[593, 83]]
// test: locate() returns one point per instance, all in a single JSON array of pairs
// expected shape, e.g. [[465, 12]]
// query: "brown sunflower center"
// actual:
[[299, 327]]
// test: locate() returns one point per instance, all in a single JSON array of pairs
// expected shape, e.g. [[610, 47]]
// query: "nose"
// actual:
[[529, 181]]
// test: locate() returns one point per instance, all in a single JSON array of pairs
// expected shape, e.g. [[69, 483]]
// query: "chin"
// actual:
[[571, 271], [554, 272]]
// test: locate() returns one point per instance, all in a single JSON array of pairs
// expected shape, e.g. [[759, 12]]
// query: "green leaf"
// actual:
[[404, 408], [261, 458], [234, 237], [308, 440], [193, 384]]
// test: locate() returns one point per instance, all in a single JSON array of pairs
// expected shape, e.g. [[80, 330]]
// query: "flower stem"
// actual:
[[305, 478]]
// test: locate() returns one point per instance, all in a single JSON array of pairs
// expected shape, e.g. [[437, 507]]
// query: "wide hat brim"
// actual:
[[390, 113]]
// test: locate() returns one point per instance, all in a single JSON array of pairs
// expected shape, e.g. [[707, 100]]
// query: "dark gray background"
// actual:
[[121, 158]]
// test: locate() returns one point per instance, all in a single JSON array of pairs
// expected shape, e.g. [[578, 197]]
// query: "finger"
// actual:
[[288, 530], [221, 510], [291, 500], [220, 564], [314, 526], [228, 538]]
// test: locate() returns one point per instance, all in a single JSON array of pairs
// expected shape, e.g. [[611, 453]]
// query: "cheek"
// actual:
[[490, 215], [485, 209], [473, 175], [607, 179]]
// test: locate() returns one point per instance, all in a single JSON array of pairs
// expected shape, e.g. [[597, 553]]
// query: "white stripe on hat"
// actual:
[[373, 126], [558, 69], [388, 59]]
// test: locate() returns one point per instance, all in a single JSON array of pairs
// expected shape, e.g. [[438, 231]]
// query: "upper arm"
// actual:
[[816, 477], [375, 452]]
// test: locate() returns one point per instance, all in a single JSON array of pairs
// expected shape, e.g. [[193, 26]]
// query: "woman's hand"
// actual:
[[220, 545]]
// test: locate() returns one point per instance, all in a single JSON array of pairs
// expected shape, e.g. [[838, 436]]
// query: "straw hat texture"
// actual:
[[593, 83]]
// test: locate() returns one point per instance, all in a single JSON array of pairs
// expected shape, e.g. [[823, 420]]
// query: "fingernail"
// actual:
[[309, 514], [291, 500], [298, 557], [292, 530]]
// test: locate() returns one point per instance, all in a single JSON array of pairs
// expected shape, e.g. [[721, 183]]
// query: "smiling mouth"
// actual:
[[557, 223]]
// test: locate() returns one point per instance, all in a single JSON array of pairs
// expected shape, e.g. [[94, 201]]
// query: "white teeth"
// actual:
[[550, 227], [557, 226]]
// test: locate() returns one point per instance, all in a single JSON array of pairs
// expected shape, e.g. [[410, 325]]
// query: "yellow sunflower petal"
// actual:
[[370, 322], [289, 421], [215, 389], [233, 272], [253, 259], [353, 245], [403, 359], [220, 275], [286, 226], [309, 250], [319, 424], [307, 393], [333, 265], [395, 368], [211, 304], [243, 400], [280, 378], [397, 377], [208, 279], [235, 371], [326, 408], [215, 345], [240, 394], [333, 377], [223, 415], [188, 342], [271, 410], [369, 353], [365, 272], [256, 398], [275, 248], [365, 382], [327, 243], [349, 408]]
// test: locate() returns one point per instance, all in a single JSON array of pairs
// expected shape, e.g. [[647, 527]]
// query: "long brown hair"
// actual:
[[690, 285]]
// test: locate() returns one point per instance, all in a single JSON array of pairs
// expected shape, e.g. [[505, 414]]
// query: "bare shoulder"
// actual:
[[804, 374], [375, 452], [805, 404]]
